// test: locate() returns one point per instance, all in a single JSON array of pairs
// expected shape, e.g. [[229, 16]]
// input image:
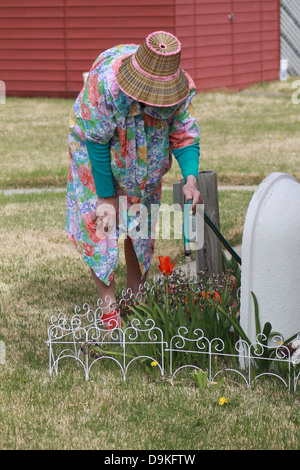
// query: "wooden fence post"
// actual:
[[209, 257]]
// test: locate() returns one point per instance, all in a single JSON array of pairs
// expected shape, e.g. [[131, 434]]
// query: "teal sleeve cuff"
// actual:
[[99, 155], [188, 159]]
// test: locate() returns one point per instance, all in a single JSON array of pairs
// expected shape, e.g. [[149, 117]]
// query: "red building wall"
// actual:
[[224, 52], [46, 46]]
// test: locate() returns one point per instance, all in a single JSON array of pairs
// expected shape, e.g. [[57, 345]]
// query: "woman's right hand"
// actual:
[[106, 215]]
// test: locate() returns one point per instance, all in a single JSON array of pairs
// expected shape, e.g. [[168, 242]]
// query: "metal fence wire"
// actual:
[[85, 338]]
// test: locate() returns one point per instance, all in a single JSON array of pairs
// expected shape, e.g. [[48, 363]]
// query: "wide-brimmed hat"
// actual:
[[152, 75]]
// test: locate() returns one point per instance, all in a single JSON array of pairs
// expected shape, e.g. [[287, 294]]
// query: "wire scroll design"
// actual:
[[88, 339]]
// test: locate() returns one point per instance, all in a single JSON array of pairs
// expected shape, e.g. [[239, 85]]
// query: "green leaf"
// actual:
[[201, 378], [287, 341], [235, 324], [256, 314], [267, 331]]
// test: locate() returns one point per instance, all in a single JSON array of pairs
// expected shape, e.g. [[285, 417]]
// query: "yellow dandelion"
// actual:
[[154, 363], [222, 401]]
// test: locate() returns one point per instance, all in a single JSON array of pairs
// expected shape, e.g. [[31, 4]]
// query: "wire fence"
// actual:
[[88, 339]]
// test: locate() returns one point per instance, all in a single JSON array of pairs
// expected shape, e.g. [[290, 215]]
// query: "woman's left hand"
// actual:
[[106, 215], [191, 191]]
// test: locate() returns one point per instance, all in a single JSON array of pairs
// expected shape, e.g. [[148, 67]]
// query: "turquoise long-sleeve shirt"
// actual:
[[99, 155]]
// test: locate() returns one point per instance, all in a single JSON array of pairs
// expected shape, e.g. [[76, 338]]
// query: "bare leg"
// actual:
[[133, 269], [133, 277], [110, 314], [106, 293]]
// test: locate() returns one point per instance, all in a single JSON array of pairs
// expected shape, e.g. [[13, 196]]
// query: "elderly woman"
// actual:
[[132, 114]]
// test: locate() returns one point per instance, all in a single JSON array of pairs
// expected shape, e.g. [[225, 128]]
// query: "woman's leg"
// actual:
[[133, 269], [133, 277], [106, 293], [110, 314]]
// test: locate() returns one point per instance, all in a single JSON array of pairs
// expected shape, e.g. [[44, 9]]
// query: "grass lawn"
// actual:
[[41, 275], [244, 138]]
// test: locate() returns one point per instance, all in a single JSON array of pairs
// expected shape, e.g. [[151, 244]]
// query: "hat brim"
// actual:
[[153, 92]]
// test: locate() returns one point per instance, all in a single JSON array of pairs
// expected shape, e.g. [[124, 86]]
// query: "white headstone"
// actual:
[[271, 257]]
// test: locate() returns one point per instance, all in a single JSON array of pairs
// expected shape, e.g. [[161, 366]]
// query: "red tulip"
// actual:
[[165, 265]]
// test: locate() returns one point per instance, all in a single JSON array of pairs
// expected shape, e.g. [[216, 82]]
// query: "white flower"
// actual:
[[296, 343], [295, 358]]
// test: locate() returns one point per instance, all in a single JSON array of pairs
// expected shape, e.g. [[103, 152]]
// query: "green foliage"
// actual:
[[201, 378], [260, 349], [231, 265], [196, 314], [173, 304], [203, 381]]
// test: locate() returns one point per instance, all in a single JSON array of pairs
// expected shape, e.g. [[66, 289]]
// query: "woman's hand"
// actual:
[[106, 215], [190, 190]]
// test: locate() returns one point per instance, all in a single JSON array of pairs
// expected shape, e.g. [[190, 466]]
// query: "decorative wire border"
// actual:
[[95, 333]]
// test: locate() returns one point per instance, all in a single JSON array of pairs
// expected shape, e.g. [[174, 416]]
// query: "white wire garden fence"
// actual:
[[89, 340]]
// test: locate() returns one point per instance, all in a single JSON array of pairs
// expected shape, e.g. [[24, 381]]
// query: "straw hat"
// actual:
[[152, 75]]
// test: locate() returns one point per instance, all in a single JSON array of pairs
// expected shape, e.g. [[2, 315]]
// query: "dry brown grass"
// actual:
[[244, 137], [42, 274]]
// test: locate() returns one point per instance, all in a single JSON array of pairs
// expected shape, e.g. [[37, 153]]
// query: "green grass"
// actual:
[[40, 268], [65, 412], [33, 142], [34, 241], [41, 274], [244, 137], [233, 207]]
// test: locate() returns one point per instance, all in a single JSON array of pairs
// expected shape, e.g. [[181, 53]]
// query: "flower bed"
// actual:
[[174, 323]]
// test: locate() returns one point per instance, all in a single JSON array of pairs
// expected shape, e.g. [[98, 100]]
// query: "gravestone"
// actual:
[[271, 257]]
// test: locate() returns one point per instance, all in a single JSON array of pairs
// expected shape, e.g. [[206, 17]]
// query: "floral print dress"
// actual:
[[141, 142]]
